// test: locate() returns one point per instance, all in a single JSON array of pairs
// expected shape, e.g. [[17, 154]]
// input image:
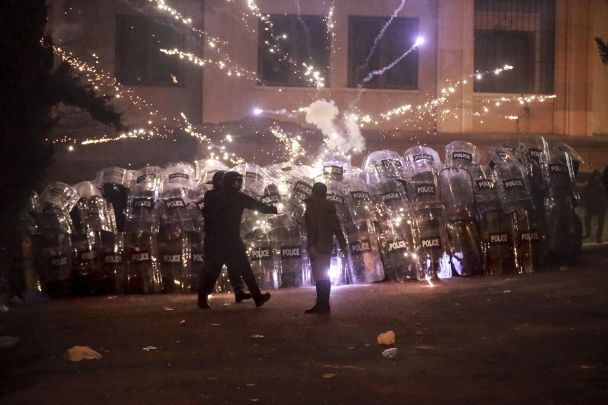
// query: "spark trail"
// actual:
[[379, 36], [381, 71]]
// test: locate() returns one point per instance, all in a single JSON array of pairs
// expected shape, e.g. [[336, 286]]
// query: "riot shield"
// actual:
[[423, 189], [456, 190]]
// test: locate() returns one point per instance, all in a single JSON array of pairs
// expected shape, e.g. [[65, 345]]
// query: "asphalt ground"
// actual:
[[539, 338]]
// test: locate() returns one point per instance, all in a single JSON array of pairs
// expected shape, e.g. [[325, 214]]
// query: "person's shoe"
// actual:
[[240, 296], [318, 309], [313, 310], [261, 299]]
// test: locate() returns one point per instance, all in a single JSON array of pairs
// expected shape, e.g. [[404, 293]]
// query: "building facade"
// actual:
[[253, 61]]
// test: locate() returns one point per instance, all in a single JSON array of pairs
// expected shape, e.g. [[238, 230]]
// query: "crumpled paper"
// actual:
[[8, 341], [79, 353], [386, 338]]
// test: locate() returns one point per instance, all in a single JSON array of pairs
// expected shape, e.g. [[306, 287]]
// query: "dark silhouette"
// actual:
[[595, 202], [321, 225], [29, 87], [602, 48], [225, 246], [210, 250]]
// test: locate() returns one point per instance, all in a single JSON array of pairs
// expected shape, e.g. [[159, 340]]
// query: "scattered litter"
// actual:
[[367, 345], [168, 308], [328, 376], [257, 336], [341, 366], [79, 353], [586, 366], [226, 303], [148, 348], [255, 400], [3, 308], [111, 297], [506, 292], [350, 347], [386, 338], [423, 347], [182, 322], [250, 385], [390, 353], [8, 341], [215, 324]]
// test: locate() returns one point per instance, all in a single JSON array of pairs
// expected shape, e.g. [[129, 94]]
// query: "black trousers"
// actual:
[[237, 261]]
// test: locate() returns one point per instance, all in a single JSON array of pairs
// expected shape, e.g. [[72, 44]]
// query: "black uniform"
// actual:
[[211, 251], [223, 245]]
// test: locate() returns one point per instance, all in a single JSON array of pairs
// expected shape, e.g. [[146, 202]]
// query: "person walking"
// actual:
[[225, 210], [595, 202], [210, 248], [321, 225]]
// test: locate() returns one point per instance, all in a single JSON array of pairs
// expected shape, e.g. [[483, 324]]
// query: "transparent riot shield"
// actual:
[[564, 228], [294, 261], [533, 158], [516, 200], [398, 238], [142, 227], [461, 154], [176, 227], [495, 231], [206, 168], [423, 189], [361, 231], [114, 183], [264, 262], [56, 201], [456, 190]]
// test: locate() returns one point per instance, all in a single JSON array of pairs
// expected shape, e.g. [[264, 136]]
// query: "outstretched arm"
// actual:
[[255, 205]]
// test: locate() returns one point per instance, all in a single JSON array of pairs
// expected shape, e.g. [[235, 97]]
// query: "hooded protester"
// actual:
[[321, 225], [225, 209], [210, 242]]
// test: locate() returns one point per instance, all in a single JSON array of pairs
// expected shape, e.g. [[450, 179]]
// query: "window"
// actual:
[[520, 33], [364, 58], [298, 39], [138, 59]]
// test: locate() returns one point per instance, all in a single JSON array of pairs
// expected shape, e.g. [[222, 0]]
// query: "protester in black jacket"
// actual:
[[322, 224], [225, 210], [211, 250]]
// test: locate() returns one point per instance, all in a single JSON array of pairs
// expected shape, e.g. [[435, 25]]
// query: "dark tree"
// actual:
[[602, 48], [30, 85]]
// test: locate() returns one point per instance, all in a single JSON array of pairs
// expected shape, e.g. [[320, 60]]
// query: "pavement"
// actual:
[[539, 338]]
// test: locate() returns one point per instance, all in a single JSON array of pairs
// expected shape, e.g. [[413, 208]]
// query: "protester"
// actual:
[[225, 210], [321, 225], [595, 202], [211, 249]]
